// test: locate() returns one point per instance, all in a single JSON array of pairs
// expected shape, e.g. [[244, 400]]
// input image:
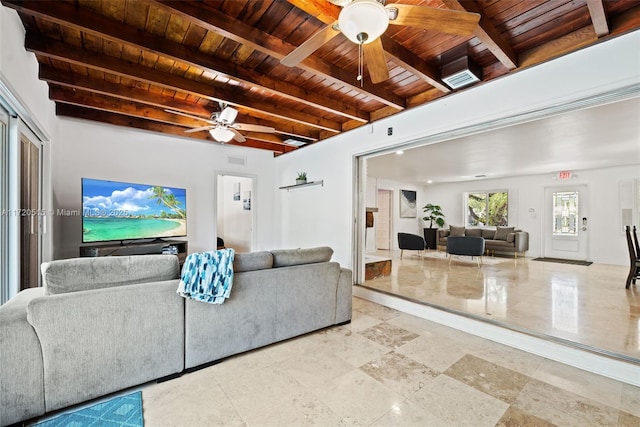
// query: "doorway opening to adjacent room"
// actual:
[[235, 211]]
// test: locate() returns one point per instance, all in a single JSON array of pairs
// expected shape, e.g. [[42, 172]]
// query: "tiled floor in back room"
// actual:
[[387, 368]]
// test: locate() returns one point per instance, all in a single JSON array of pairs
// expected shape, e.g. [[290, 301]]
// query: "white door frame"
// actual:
[[562, 246]]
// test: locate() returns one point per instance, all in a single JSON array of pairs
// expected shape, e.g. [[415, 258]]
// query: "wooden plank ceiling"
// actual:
[[126, 62]]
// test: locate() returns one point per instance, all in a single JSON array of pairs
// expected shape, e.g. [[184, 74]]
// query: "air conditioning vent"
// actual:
[[237, 160], [461, 79], [461, 72]]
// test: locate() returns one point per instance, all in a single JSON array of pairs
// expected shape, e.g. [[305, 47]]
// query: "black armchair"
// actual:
[[411, 242]]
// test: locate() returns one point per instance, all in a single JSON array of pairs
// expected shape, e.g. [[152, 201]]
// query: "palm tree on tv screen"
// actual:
[[168, 199]]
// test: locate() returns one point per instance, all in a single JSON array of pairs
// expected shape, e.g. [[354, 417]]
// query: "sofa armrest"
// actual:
[[21, 369], [521, 242], [345, 287]]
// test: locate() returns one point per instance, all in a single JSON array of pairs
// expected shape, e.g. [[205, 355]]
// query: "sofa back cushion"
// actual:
[[251, 261], [81, 274], [473, 232], [289, 257], [503, 232], [488, 233], [456, 231]]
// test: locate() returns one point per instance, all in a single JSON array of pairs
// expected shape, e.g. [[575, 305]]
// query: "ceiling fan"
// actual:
[[364, 21], [222, 127]]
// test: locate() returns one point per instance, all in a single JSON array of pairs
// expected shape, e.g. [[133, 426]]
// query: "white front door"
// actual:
[[566, 222]]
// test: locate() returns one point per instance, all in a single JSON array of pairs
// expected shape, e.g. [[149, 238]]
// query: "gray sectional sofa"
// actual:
[[100, 325], [499, 239]]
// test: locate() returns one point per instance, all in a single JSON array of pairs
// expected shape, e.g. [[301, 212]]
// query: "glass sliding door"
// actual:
[[31, 214], [4, 205], [21, 205]]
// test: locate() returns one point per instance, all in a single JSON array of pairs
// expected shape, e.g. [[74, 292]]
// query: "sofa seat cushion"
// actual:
[[81, 274], [498, 244], [289, 257]]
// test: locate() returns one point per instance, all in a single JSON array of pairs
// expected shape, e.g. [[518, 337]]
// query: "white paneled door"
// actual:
[[383, 220], [566, 222]]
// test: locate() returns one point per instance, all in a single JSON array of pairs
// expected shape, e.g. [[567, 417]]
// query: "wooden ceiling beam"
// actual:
[[598, 17], [54, 49], [116, 119], [421, 69], [239, 32], [86, 21], [104, 87], [82, 98], [394, 51], [583, 37], [488, 34]]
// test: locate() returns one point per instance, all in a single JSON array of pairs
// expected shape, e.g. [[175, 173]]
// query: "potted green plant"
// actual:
[[433, 213], [301, 178]]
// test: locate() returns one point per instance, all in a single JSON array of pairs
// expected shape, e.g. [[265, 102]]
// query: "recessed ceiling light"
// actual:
[[429, 182], [399, 152]]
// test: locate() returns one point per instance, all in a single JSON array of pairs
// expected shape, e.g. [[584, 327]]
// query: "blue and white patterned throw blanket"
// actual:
[[207, 276]]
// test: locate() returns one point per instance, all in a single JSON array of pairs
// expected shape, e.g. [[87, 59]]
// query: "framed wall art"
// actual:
[[408, 204]]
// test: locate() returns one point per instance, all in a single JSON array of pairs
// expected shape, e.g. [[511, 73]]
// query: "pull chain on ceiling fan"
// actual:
[[364, 21]]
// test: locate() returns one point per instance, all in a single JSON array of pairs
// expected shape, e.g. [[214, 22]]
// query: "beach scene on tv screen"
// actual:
[[124, 211]]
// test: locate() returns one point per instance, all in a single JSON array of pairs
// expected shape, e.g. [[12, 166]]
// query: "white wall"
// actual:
[[326, 215], [94, 150], [607, 243]]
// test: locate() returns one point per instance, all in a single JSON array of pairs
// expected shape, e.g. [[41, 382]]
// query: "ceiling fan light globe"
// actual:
[[228, 115], [363, 21], [221, 134]]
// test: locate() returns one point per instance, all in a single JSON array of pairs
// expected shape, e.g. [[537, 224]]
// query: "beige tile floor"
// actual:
[[588, 305], [387, 368]]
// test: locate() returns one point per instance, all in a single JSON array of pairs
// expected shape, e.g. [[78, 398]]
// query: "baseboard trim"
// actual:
[[581, 358]]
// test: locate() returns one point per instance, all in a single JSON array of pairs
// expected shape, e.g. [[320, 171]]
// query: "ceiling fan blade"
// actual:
[[198, 129], [376, 61], [253, 128], [180, 113], [237, 135], [430, 18], [312, 44]]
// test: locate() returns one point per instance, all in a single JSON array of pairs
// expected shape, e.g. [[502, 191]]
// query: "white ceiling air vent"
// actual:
[[461, 72], [237, 160], [295, 142]]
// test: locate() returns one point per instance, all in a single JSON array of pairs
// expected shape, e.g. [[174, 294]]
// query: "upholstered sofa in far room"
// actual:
[[100, 325], [498, 240]]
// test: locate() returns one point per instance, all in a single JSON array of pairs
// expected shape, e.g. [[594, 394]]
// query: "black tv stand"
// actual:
[[135, 248]]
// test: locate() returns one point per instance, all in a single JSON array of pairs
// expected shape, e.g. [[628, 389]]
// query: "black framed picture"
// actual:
[[408, 204]]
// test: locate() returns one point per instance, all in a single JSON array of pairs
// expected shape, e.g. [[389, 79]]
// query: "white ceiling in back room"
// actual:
[[596, 137]]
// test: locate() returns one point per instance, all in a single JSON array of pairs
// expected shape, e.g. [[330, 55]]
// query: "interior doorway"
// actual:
[[566, 222], [235, 209]]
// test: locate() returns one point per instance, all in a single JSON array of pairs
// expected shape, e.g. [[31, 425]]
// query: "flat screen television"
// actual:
[[113, 210]]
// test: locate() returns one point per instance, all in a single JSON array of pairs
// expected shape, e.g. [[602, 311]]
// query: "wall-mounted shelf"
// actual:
[[306, 184]]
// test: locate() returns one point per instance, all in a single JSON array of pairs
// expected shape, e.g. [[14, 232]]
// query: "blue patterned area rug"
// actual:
[[121, 411]]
